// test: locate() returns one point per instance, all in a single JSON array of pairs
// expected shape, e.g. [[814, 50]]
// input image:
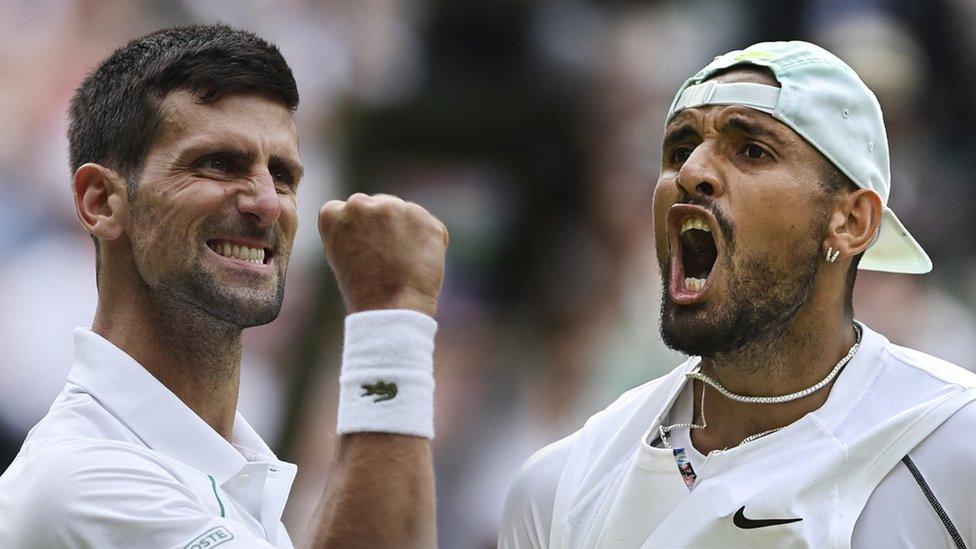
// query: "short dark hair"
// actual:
[[835, 182], [115, 112]]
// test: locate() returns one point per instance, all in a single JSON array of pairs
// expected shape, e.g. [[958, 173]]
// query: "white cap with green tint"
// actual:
[[825, 102]]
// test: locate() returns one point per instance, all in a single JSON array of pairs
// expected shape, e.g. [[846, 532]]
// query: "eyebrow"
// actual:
[[682, 132], [743, 125], [296, 169], [247, 157]]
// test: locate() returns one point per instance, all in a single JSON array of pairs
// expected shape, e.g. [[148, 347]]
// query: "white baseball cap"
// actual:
[[823, 100]]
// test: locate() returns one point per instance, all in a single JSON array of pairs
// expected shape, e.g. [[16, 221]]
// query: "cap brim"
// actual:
[[895, 251]]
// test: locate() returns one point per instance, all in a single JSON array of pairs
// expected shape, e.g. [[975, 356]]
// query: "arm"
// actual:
[[386, 254], [380, 493]]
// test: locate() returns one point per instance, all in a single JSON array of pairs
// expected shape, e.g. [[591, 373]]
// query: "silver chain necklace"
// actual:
[[690, 425], [696, 374]]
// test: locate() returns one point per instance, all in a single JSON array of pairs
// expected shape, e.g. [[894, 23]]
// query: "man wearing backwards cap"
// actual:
[[791, 424]]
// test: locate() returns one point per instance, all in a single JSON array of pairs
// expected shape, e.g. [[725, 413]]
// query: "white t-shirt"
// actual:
[[120, 461], [897, 512]]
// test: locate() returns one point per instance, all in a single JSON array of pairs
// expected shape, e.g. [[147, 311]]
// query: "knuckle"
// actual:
[[358, 201], [331, 207], [390, 198], [417, 210], [445, 234]]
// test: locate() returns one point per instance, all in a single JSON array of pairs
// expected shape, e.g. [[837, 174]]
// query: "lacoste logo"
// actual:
[[741, 521], [382, 390], [211, 538]]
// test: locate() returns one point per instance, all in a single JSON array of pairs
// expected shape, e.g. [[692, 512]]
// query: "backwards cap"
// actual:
[[825, 102]]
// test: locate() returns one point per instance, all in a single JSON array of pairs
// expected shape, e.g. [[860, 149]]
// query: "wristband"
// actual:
[[386, 384]]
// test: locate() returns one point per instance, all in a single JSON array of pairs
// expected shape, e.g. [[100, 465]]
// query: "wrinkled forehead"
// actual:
[[241, 120]]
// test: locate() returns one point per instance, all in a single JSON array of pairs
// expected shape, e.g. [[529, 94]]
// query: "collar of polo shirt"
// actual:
[[157, 416], [167, 426]]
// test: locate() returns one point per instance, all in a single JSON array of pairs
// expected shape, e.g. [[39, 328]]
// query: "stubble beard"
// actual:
[[190, 293], [760, 299], [241, 307]]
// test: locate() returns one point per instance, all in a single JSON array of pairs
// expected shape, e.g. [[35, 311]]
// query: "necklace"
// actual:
[[697, 374], [663, 431]]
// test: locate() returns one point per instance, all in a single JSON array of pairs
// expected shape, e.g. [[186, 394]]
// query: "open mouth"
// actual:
[[693, 252], [255, 255]]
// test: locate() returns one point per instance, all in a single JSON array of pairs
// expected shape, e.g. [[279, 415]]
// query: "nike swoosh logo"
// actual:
[[741, 521]]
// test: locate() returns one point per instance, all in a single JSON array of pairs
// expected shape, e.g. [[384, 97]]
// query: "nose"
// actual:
[[699, 175], [261, 200]]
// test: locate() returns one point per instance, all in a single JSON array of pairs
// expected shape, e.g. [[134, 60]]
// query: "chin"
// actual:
[[244, 311], [745, 316], [242, 307], [695, 330]]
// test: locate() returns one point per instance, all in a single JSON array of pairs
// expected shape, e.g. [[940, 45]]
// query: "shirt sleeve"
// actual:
[[899, 514], [106, 494], [527, 517]]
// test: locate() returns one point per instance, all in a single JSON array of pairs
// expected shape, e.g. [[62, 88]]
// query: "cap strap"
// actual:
[[756, 96]]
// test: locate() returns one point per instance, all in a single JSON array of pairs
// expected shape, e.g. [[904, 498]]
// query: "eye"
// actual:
[[680, 154], [281, 176], [754, 151], [215, 164]]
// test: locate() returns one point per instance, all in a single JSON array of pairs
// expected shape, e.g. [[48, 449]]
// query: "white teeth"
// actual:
[[244, 253], [694, 284], [694, 222]]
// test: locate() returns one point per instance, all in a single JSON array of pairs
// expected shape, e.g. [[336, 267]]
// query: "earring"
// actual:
[[832, 254]]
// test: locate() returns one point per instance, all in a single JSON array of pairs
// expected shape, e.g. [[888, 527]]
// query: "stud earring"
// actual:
[[832, 254]]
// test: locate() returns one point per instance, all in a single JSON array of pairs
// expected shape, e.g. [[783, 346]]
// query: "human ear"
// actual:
[[100, 200], [855, 222]]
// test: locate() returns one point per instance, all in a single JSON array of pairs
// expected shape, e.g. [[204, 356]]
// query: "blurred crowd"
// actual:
[[532, 129]]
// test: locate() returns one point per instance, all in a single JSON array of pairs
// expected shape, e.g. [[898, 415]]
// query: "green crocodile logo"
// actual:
[[382, 390]]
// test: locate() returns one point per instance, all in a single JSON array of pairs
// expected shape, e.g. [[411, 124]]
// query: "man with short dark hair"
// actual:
[[792, 424], [186, 170]]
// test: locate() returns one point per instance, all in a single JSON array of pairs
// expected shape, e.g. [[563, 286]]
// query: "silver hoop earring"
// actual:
[[832, 254]]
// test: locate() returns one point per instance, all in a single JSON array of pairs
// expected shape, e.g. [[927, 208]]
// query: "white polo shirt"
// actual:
[[120, 461]]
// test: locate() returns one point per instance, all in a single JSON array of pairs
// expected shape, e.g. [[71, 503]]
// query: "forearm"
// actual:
[[388, 257], [380, 493]]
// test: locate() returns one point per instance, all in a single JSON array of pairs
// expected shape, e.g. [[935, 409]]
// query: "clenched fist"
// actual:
[[386, 253]]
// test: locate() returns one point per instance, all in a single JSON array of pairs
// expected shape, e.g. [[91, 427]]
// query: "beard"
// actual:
[[240, 307], [192, 292], [762, 295]]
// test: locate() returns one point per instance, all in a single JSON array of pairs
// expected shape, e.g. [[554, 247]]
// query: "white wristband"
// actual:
[[387, 380]]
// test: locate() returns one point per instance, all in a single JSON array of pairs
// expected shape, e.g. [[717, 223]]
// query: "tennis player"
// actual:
[[792, 424], [186, 167]]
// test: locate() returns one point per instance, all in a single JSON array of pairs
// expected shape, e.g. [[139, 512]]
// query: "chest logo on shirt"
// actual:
[[211, 538], [382, 390], [740, 520]]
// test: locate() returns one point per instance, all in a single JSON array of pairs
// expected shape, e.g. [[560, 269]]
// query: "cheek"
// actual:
[[665, 196], [289, 217], [777, 225], [173, 213]]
